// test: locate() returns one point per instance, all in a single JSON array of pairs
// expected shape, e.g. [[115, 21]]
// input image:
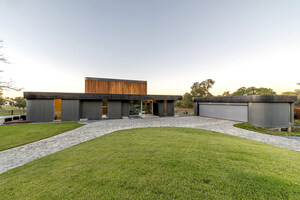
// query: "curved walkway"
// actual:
[[17, 156]]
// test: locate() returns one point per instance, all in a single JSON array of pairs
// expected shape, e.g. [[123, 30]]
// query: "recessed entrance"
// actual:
[[57, 109], [104, 108]]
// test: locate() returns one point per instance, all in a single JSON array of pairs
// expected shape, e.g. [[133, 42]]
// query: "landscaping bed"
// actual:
[[295, 131], [159, 163]]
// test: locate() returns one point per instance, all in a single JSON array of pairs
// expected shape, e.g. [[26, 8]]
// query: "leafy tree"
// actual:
[[202, 89], [227, 93], [296, 93], [2, 101], [197, 90], [187, 100], [253, 91], [178, 103], [20, 102]]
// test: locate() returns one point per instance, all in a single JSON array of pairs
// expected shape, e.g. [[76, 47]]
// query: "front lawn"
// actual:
[[297, 122], [159, 163], [295, 131], [16, 135]]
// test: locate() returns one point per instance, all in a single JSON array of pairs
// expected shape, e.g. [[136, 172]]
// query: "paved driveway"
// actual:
[[15, 157]]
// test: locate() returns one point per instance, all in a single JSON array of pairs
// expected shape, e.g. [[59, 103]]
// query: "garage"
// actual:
[[229, 111]]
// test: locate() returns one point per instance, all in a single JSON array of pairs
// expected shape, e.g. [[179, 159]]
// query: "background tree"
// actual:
[[202, 89], [253, 91], [20, 102], [227, 93], [296, 93], [187, 100], [197, 90], [2, 100]]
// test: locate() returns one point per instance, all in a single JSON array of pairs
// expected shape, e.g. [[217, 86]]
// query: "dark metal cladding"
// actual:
[[91, 96], [249, 98]]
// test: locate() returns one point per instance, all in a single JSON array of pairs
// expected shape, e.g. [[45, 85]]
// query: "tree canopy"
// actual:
[[197, 90], [250, 91]]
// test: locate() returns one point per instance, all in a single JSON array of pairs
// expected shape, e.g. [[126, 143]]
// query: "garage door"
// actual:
[[229, 111]]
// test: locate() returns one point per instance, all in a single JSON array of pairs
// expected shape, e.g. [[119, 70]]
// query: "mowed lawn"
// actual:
[[16, 135], [159, 163]]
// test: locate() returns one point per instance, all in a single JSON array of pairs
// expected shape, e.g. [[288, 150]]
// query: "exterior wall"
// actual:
[[170, 108], [160, 108], [196, 109], [114, 109], [115, 87], [271, 115], [40, 110], [91, 110], [229, 111], [125, 108], [70, 110]]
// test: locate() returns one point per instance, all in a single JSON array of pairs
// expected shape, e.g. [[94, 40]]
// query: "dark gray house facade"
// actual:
[[96, 105], [270, 111]]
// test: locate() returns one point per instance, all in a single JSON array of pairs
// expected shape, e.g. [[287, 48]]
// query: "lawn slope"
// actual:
[[16, 135], [159, 163]]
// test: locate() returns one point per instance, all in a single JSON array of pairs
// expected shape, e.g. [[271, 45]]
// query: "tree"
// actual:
[[202, 89], [197, 90], [227, 93], [187, 100], [253, 91], [296, 93], [6, 85], [2, 101], [20, 102]]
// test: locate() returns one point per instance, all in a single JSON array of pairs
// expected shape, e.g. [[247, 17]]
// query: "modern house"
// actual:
[[103, 98], [270, 111]]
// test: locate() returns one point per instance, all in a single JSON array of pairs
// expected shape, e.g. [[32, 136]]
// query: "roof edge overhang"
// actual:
[[94, 96], [111, 79], [249, 98]]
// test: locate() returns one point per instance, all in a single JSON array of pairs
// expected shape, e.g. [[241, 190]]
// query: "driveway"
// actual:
[[17, 156]]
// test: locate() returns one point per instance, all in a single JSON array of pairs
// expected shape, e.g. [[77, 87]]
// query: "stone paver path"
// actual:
[[17, 156]]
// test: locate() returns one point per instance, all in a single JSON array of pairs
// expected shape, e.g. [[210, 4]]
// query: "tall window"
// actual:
[[291, 113], [57, 109]]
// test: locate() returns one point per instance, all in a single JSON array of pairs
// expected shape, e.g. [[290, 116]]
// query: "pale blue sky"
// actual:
[[53, 45]]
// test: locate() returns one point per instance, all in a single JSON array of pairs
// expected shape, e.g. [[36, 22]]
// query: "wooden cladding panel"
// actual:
[[115, 87]]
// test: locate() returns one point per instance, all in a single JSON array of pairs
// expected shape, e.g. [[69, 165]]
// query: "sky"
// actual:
[[52, 45]]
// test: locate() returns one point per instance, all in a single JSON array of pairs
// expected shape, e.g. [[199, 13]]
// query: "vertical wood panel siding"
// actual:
[[115, 87]]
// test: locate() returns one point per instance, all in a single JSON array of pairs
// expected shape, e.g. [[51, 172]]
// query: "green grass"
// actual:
[[159, 163], [16, 135], [295, 131], [297, 122]]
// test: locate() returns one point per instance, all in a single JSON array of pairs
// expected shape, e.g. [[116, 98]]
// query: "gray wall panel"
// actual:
[[271, 115], [170, 108], [196, 109], [40, 110], [160, 108], [91, 110], [70, 110], [125, 108], [229, 112], [114, 109]]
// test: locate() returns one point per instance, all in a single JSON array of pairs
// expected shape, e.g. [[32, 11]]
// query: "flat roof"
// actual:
[[249, 98], [112, 79], [94, 96]]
